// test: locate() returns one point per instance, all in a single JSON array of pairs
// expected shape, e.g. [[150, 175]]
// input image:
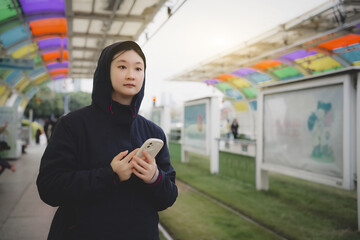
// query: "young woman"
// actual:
[[86, 168]]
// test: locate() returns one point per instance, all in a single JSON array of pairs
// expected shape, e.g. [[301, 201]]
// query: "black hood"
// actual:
[[102, 88]]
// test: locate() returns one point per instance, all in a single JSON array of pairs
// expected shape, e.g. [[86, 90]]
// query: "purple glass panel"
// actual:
[[49, 43], [299, 54], [211, 81], [30, 18], [53, 66], [39, 6], [65, 40], [59, 77], [243, 71]]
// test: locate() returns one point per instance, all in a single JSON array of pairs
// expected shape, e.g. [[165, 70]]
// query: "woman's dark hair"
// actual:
[[127, 46]]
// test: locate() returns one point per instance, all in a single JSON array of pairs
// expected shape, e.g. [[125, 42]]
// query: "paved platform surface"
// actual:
[[23, 216]]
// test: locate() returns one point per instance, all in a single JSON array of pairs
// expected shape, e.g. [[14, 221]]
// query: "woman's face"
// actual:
[[127, 76]]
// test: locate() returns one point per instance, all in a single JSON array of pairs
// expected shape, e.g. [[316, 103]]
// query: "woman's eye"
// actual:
[[138, 69], [121, 67]]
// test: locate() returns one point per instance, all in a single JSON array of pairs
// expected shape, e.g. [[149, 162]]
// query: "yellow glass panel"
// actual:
[[40, 79], [25, 50], [240, 83], [309, 58], [23, 86], [357, 63], [322, 64], [4, 97], [241, 106], [20, 83], [23, 103], [2, 89]]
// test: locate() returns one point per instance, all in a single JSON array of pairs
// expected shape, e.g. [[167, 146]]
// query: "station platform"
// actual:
[[22, 213]]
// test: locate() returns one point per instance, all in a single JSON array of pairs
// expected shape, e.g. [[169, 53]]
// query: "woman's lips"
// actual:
[[129, 85]]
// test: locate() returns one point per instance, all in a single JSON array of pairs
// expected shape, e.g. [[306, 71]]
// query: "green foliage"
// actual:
[[79, 100], [46, 102]]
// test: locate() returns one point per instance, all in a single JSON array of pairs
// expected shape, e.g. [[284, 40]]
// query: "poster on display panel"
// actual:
[[195, 136], [303, 129]]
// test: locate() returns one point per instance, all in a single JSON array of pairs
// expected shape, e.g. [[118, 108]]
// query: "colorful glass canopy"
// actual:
[[36, 31], [240, 85]]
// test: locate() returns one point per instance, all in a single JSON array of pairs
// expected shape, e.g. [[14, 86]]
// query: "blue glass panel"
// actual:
[[35, 73], [14, 77], [11, 76], [233, 93], [18, 101], [259, 77], [14, 35], [253, 105], [32, 92], [352, 56]]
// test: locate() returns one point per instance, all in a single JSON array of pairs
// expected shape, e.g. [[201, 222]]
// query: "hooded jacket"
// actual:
[[75, 172]]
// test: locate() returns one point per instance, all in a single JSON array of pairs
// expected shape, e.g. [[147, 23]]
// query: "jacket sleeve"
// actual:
[[61, 182], [164, 191]]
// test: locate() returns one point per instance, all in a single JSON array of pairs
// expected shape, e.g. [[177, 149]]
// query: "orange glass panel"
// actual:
[[65, 54], [51, 55], [59, 71], [341, 42], [268, 64], [225, 77], [48, 26]]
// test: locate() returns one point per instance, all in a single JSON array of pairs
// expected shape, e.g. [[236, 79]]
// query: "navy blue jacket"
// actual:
[[75, 172]]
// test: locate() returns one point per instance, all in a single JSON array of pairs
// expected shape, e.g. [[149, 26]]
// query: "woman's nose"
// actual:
[[130, 74]]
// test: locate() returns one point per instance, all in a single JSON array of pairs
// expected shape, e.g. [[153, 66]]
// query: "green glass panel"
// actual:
[[287, 72], [250, 92], [223, 86], [7, 10]]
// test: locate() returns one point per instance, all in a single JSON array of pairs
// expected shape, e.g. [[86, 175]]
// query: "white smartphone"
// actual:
[[152, 146]]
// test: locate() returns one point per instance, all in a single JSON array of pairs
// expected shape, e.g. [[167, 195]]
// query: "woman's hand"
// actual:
[[121, 165], [145, 168]]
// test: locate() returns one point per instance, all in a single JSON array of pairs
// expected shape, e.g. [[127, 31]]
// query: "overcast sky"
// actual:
[[204, 29]]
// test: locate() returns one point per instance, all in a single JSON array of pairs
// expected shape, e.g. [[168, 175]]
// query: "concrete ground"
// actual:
[[23, 216]]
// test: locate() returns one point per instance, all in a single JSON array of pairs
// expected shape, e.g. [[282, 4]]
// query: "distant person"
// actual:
[[228, 129], [86, 168], [3, 163], [234, 128], [48, 128], [37, 136]]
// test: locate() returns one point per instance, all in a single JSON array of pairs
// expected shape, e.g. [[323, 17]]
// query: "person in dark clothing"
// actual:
[[37, 136], [234, 128], [3, 163], [86, 168]]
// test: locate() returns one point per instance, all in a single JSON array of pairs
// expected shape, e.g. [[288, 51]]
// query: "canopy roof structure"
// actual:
[[44, 40], [322, 40]]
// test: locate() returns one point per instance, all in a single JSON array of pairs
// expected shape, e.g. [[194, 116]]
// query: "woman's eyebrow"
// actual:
[[124, 61]]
